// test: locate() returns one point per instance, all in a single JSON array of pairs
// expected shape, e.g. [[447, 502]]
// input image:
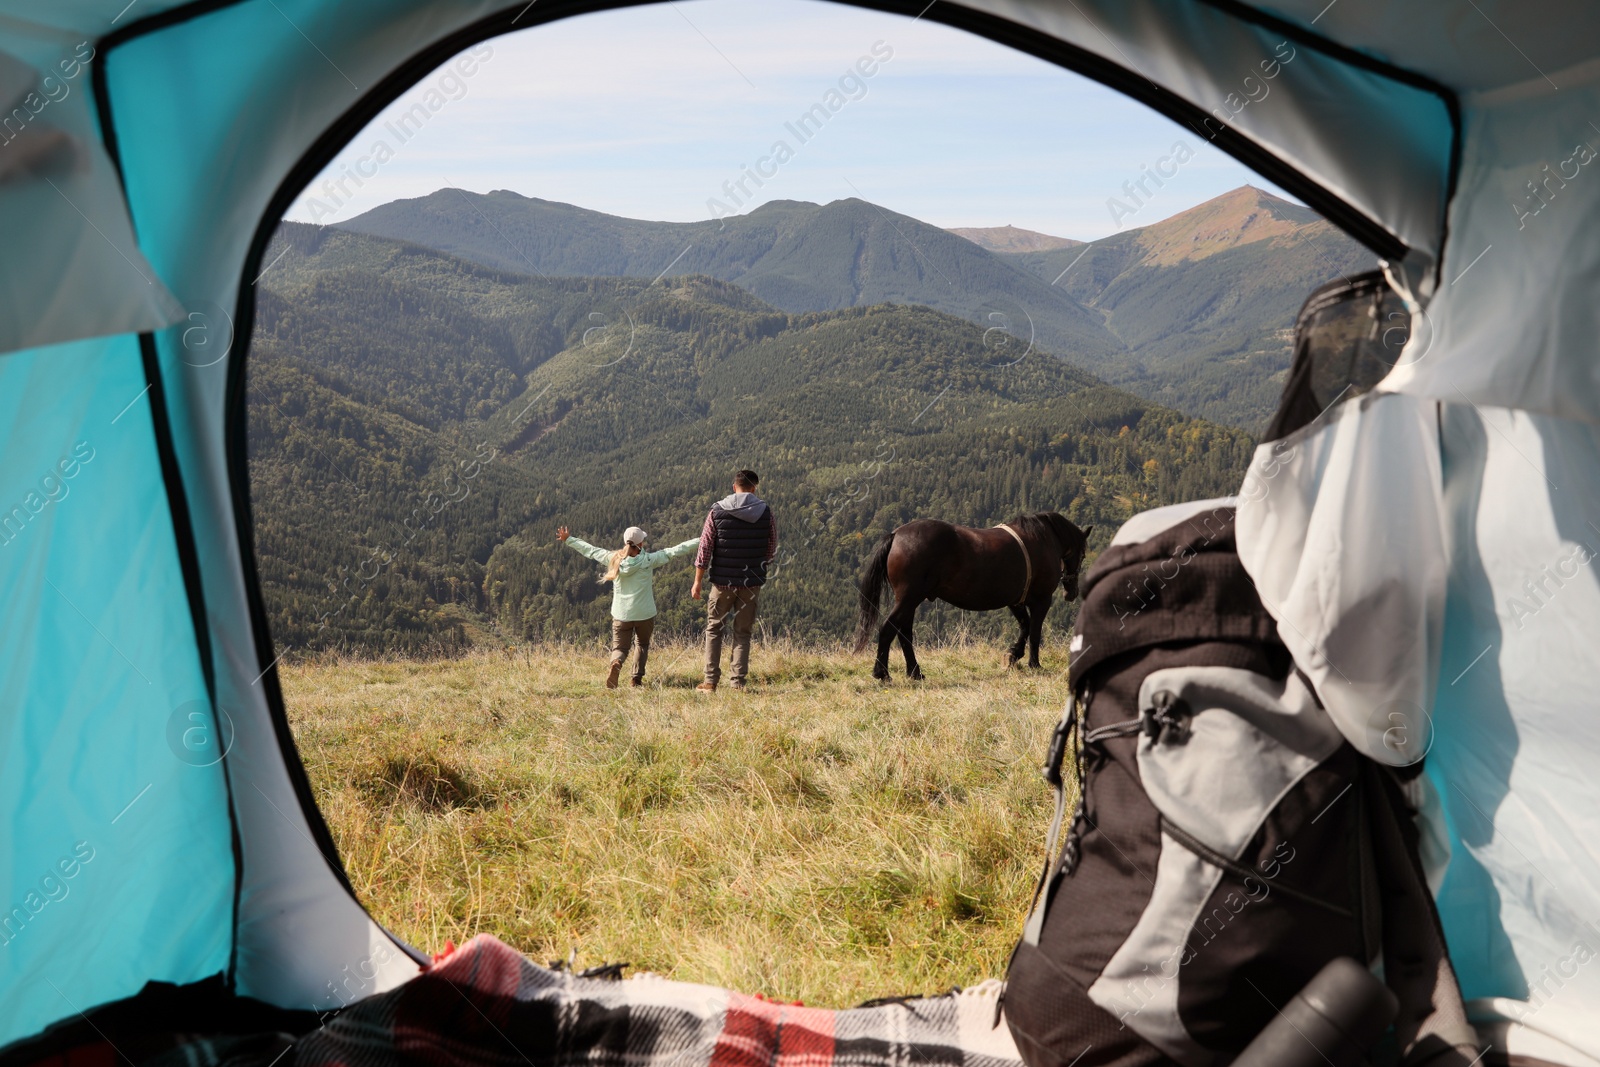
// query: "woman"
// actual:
[[632, 574]]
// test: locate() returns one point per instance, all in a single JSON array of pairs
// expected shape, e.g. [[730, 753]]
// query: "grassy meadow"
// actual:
[[817, 837]]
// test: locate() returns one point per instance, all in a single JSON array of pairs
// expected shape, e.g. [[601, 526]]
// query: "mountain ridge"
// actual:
[[1191, 311], [796, 255], [1012, 239], [1237, 218]]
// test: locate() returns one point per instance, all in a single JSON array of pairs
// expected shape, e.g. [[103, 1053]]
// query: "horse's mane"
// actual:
[[1044, 525]]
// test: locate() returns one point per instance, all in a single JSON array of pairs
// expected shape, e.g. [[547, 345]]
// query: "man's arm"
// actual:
[[708, 543], [772, 535], [702, 558]]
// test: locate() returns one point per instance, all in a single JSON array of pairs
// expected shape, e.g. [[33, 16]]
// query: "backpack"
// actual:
[[1227, 841]]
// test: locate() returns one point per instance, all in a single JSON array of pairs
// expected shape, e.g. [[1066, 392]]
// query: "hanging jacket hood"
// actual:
[[746, 506]]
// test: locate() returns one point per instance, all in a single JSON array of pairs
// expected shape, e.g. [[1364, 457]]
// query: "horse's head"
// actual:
[[1074, 543]]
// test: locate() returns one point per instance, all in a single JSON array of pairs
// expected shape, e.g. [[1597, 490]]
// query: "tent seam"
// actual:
[[1356, 58], [172, 480], [1362, 227], [189, 564]]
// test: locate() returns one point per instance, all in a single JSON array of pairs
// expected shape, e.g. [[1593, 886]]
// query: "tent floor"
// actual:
[[156, 1019]]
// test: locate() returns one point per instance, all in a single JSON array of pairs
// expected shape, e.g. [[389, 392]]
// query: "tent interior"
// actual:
[[1404, 547]]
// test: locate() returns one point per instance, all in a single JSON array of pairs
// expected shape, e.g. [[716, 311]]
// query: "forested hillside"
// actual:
[[419, 426], [1205, 301]]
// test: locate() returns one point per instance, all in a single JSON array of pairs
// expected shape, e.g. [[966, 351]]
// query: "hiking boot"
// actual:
[[737, 687], [637, 683], [706, 687], [611, 676]]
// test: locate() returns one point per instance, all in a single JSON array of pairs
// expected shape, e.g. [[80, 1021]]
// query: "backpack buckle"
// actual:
[[1057, 754], [1166, 720]]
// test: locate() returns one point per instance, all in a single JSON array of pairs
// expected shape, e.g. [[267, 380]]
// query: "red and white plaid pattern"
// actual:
[[487, 1006]]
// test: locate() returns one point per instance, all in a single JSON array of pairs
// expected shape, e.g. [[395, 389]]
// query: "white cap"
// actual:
[[635, 536]]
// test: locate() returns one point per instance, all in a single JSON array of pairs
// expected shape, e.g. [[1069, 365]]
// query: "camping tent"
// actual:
[[1426, 548]]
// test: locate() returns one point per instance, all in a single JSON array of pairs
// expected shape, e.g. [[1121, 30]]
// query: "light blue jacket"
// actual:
[[633, 594]]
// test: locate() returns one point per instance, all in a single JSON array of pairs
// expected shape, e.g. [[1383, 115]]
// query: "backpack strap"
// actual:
[[1065, 730]]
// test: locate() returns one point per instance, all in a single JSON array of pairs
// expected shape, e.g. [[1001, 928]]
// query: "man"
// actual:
[[739, 539]]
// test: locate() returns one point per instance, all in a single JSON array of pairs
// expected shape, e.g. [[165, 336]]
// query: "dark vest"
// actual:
[[739, 556]]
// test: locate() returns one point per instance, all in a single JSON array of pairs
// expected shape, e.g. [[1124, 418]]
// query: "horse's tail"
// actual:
[[873, 578]]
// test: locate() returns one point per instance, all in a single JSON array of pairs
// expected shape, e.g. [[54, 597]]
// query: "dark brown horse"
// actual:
[[978, 570]]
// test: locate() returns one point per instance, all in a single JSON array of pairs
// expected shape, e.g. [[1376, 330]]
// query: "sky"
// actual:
[[654, 112]]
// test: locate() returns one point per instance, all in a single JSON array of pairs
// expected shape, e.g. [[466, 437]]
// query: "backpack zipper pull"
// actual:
[[1166, 720]]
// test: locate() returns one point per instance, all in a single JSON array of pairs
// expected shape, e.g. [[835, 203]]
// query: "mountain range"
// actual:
[[1193, 311], [421, 421]]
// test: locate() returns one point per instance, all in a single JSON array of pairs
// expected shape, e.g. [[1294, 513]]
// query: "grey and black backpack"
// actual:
[[1227, 842]]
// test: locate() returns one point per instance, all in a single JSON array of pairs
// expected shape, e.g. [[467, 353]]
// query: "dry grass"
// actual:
[[818, 837]]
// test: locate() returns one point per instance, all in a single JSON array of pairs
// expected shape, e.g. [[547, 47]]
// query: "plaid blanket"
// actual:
[[486, 1006]]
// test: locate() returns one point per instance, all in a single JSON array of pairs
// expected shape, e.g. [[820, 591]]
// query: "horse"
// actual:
[[1015, 565]]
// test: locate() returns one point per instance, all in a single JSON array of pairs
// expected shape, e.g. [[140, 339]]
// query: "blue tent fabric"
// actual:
[[118, 855], [145, 154]]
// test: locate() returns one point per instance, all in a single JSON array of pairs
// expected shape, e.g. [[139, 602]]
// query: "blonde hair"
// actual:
[[615, 566]]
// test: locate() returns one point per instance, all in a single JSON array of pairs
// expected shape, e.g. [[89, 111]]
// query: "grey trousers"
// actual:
[[739, 605], [622, 635]]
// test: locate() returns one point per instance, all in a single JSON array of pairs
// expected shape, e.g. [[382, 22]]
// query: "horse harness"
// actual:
[[1027, 562]]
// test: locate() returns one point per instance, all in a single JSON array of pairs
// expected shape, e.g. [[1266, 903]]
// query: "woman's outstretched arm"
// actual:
[[582, 547], [656, 559]]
